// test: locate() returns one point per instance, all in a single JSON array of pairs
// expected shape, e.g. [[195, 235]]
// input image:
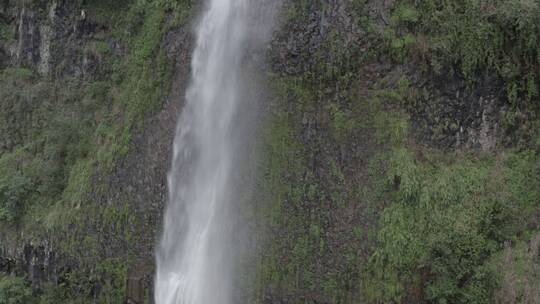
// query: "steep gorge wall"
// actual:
[[389, 171]]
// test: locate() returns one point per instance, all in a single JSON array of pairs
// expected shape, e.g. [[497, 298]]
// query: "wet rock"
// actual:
[[447, 114], [28, 40], [299, 45]]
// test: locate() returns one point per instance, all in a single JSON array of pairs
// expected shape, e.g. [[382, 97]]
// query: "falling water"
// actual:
[[195, 256]]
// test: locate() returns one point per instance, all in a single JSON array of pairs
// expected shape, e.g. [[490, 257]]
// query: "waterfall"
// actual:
[[195, 256]]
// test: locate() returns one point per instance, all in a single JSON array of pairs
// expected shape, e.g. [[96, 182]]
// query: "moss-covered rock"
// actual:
[[81, 168]]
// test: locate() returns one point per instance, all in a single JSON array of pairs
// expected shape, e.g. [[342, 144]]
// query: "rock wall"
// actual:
[[65, 46], [360, 103]]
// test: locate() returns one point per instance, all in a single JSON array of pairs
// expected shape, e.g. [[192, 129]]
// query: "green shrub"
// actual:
[[447, 220], [14, 291], [14, 191]]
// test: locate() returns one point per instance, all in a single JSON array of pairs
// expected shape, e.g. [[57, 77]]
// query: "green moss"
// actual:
[[16, 75], [7, 32], [405, 14], [14, 195], [342, 122]]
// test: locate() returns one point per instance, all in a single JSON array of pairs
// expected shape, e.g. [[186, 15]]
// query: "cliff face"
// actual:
[[90, 96], [398, 143], [399, 155]]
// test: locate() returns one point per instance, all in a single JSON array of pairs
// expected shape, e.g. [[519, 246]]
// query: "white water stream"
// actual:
[[195, 256]]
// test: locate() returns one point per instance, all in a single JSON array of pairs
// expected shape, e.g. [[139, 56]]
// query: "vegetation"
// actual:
[[313, 203], [66, 134], [476, 40], [449, 218], [434, 224], [356, 207], [14, 291], [454, 213], [470, 38]]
